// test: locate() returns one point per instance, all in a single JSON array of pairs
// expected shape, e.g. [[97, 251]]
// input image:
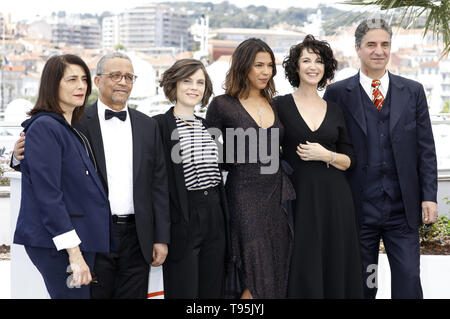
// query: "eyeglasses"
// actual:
[[117, 77]]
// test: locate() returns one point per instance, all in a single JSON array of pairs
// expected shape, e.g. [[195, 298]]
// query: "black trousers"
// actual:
[[122, 274], [200, 273]]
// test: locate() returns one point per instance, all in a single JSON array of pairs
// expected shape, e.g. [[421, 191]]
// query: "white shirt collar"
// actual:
[[366, 83]]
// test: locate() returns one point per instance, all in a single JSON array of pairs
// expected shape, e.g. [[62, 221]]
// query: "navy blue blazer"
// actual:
[[411, 137], [61, 190]]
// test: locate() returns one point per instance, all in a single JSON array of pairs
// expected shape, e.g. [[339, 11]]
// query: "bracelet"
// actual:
[[334, 158]]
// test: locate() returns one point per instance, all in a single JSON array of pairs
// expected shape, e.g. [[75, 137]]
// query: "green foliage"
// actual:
[[446, 108], [227, 15], [438, 230], [119, 47], [4, 181]]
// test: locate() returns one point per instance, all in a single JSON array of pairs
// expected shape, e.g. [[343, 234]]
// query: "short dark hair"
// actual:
[[370, 24], [53, 72], [237, 83], [322, 48], [179, 71]]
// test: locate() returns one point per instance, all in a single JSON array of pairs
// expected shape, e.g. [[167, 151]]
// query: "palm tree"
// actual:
[[436, 12]]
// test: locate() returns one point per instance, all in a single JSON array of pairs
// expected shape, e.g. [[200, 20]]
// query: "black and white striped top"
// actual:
[[199, 154]]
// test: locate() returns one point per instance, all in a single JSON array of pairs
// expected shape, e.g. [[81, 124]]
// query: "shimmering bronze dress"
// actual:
[[261, 234]]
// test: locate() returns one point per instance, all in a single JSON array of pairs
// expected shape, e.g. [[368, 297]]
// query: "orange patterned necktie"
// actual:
[[377, 96]]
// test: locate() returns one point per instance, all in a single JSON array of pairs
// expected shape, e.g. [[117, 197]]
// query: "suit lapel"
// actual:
[[354, 102], [137, 145], [399, 97], [177, 167], [96, 140], [85, 158]]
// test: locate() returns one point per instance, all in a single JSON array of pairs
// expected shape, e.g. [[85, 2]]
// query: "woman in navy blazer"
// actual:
[[64, 216]]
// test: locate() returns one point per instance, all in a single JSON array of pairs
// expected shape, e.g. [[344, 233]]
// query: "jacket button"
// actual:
[[87, 172]]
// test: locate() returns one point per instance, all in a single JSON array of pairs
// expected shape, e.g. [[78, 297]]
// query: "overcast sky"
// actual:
[[25, 9]]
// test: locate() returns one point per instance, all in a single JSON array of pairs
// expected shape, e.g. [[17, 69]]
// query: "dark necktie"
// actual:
[[122, 115]]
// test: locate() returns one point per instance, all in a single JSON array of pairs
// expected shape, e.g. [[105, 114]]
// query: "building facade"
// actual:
[[146, 27]]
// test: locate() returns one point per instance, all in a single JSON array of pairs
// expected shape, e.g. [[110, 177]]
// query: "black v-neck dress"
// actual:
[[326, 257]]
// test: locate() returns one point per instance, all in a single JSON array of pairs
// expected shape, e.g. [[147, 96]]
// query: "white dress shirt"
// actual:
[[118, 147], [366, 83]]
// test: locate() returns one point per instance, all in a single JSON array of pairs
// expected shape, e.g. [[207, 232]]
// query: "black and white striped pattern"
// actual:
[[199, 154]]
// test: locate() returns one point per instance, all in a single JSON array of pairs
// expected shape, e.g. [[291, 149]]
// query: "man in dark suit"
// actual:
[[395, 178], [129, 155]]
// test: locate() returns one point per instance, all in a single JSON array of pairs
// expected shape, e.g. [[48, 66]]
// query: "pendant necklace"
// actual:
[[260, 116], [182, 119]]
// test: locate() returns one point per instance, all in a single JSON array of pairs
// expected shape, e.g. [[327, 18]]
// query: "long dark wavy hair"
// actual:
[[322, 48], [237, 83]]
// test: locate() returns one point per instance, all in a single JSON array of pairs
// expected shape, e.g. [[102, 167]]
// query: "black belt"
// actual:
[[204, 191], [208, 194], [123, 219]]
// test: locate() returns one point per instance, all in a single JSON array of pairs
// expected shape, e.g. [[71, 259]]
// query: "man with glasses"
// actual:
[[128, 150]]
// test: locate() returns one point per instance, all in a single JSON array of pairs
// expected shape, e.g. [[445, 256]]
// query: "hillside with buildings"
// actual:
[[155, 36], [158, 34]]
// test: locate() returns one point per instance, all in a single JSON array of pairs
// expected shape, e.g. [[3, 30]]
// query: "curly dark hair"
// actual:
[[322, 48]]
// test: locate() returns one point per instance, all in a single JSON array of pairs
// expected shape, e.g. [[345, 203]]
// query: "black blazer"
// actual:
[[150, 190], [179, 212], [411, 137]]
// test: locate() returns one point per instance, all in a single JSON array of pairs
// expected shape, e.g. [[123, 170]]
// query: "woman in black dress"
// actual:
[[326, 257], [256, 187], [194, 267]]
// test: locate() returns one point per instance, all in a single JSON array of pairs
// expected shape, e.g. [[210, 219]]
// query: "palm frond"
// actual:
[[437, 15]]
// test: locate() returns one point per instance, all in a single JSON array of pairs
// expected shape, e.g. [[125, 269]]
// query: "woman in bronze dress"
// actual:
[[256, 186]]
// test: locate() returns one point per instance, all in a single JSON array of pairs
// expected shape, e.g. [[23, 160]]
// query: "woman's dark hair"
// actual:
[[53, 72], [237, 83], [180, 70], [322, 48]]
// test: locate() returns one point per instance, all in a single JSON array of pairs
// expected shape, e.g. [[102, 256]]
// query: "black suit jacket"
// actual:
[[179, 211], [150, 190], [411, 138]]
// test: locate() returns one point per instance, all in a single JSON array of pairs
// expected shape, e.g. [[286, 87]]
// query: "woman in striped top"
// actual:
[[194, 267]]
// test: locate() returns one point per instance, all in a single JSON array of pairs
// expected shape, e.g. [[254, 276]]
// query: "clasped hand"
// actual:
[[313, 152]]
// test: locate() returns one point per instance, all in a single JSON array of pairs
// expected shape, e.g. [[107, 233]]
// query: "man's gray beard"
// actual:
[[119, 100]]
